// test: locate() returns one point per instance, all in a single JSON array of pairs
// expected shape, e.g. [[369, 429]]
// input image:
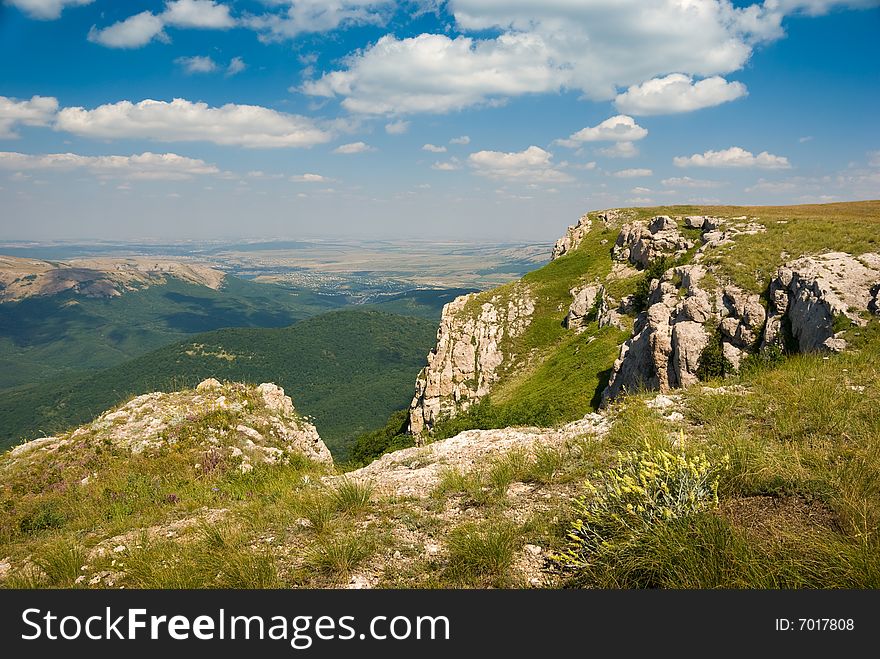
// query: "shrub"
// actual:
[[645, 488], [713, 363]]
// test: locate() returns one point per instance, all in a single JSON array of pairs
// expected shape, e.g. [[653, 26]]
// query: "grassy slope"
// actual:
[[552, 375], [43, 337], [347, 369]]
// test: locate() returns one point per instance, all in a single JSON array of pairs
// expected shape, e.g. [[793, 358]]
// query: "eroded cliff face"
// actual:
[[809, 299], [469, 353]]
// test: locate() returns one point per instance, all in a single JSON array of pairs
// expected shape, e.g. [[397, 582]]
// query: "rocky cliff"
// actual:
[[688, 319], [470, 351]]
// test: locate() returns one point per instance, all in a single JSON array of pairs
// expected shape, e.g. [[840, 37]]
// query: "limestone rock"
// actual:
[[814, 291], [575, 233], [670, 336], [584, 302], [153, 422], [464, 364], [641, 243], [572, 238], [210, 383]]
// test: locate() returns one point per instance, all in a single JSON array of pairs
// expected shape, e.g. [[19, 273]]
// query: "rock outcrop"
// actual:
[[464, 364], [815, 293], [591, 303], [642, 243], [670, 336], [234, 423], [575, 233]]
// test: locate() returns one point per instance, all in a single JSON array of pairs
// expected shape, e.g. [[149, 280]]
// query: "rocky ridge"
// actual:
[[267, 428], [687, 311], [96, 278]]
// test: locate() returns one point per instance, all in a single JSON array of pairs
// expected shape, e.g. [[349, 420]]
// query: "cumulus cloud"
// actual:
[[433, 148], [236, 66], [620, 128], [205, 14], [435, 74], [38, 111], [140, 29], [309, 178], [733, 157], [463, 140], [308, 16], [678, 93], [688, 182], [134, 32], [181, 120], [196, 64], [447, 166], [594, 46], [397, 127], [531, 165], [620, 150], [633, 173], [156, 166], [46, 10], [353, 147]]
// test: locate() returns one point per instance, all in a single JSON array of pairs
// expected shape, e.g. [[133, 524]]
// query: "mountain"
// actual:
[[684, 397], [74, 319], [348, 370]]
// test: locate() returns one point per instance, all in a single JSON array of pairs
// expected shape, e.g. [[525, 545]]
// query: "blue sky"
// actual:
[[468, 119]]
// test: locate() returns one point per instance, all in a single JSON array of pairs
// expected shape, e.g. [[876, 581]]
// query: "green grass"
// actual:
[[338, 555], [481, 554]]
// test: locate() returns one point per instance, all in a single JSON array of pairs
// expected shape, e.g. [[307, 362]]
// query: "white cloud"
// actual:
[[678, 93], [641, 190], [733, 157], [397, 127], [433, 148], [196, 64], [134, 32], [46, 9], [433, 73], [158, 166], [354, 147], [632, 173], [181, 120], [307, 16], [533, 165], [620, 150], [819, 7], [309, 178], [236, 66], [688, 182], [140, 29], [448, 166], [204, 14], [620, 128], [39, 111], [805, 138], [463, 140], [594, 46], [874, 158]]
